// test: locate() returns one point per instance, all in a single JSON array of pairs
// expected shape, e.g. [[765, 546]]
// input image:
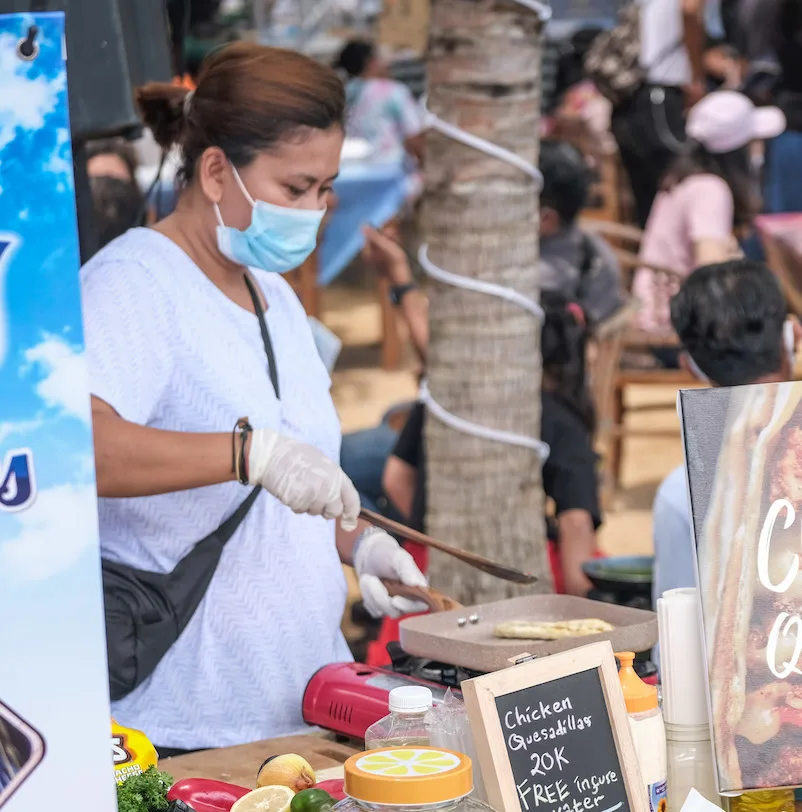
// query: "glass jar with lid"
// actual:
[[409, 779]]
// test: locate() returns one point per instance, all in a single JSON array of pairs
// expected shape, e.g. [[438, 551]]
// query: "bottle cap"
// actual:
[[408, 776], [639, 696], [410, 699]]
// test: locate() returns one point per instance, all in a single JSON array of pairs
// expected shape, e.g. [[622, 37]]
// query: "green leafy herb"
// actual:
[[146, 792]]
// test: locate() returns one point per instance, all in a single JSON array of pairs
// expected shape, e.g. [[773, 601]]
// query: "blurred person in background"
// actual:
[[579, 110], [117, 199], [730, 318], [783, 168], [380, 110], [579, 266], [708, 199], [650, 125], [767, 35]]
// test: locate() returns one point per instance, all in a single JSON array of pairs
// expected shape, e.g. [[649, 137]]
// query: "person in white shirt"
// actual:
[[191, 331], [649, 126], [731, 321]]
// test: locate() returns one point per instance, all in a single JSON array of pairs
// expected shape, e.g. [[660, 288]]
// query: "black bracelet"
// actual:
[[397, 292], [245, 429], [234, 449]]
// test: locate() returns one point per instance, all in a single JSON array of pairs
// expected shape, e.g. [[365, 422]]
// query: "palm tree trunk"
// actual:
[[480, 216]]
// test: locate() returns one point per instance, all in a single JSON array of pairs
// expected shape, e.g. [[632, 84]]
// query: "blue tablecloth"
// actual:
[[367, 194]]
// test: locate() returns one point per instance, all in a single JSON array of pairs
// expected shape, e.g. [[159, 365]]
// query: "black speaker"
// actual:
[[112, 46]]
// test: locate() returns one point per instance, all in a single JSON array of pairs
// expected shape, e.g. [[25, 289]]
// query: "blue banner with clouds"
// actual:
[[54, 710]]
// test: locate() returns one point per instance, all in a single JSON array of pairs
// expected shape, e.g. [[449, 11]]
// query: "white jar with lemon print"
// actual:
[[409, 779]]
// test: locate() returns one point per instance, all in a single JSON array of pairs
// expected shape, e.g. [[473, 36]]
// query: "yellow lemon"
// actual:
[[265, 799]]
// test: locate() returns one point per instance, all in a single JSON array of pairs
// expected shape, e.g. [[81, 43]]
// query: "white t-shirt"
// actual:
[[663, 53], [168, 349]]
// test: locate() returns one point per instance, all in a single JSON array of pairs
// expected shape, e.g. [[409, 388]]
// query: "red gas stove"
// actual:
[[347, 698]]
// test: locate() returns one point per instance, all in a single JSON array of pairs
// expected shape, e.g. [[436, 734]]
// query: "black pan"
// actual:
[[623, 576]]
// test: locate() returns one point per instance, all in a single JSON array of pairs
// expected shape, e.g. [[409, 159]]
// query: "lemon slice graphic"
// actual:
[[407, 763]]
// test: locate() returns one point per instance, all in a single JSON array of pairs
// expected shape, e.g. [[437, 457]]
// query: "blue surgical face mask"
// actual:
[[279, 239]]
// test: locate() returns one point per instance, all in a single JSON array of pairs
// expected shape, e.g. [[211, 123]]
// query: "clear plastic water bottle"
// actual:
[[405, 725]]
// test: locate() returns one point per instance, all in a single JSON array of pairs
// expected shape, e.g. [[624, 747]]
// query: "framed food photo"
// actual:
[[743, 452]]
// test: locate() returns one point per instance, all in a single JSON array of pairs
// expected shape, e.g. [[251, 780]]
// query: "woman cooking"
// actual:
[[179, 355]]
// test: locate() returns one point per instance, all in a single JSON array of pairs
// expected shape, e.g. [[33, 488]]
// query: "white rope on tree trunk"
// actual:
[[509, 294], [434, 122]]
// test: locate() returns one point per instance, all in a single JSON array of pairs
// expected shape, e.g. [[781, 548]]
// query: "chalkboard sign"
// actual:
[[553, 735]]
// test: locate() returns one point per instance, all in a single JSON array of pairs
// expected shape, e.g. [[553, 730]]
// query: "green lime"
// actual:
[[312, 800]]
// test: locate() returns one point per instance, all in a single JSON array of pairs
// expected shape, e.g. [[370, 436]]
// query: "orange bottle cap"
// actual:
[[408, 776], [639, 696]]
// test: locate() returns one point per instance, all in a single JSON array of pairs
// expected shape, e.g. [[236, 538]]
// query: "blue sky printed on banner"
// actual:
[[50, 597]]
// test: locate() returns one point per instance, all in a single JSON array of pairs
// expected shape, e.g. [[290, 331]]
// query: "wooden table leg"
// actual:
[[616, 450], [391, 340]]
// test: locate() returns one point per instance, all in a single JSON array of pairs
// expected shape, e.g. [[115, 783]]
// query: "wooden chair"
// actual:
[[634, 341], [608, 345], [392, 343]]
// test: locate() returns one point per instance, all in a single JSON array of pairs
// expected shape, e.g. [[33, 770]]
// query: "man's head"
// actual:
[[565, 186], [730, 319]]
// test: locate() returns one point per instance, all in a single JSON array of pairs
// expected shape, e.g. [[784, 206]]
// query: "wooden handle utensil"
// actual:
[[472, 559], [436, 601]]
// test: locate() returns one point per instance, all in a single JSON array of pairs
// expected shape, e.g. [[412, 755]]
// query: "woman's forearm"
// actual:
[[577, 545], [346, 540], [133, 460], [415, 307]]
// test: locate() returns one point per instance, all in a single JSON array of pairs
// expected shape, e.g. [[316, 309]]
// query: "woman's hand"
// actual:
[[378, 556], [383, 250], [302, 478]]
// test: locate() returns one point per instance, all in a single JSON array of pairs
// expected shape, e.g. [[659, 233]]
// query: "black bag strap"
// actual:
[[230, 525], [260, 314]]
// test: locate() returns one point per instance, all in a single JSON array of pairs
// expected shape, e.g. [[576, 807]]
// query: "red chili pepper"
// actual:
[[334, 787], [205, 795]]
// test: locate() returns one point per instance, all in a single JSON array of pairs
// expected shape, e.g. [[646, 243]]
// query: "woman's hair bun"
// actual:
[[249, 98], [162, 109]]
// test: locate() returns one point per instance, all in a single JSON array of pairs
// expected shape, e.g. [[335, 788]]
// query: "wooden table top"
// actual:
[[239, 765]]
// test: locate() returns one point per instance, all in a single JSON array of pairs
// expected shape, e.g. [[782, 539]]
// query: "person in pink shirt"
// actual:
[[708, 196]]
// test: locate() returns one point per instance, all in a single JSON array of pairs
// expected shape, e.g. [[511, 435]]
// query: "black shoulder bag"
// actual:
[[146, 612]]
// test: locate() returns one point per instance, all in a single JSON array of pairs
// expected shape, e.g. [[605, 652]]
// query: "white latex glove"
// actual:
[[378, 555], [302, 478]]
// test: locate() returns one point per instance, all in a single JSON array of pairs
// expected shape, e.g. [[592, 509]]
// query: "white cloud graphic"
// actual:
[[54, 532], [64, 378], [11, 243], [25, 101], [10, 427], [58, 163]]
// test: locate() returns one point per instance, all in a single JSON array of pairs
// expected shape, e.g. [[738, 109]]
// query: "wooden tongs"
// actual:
[[472, 559]]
